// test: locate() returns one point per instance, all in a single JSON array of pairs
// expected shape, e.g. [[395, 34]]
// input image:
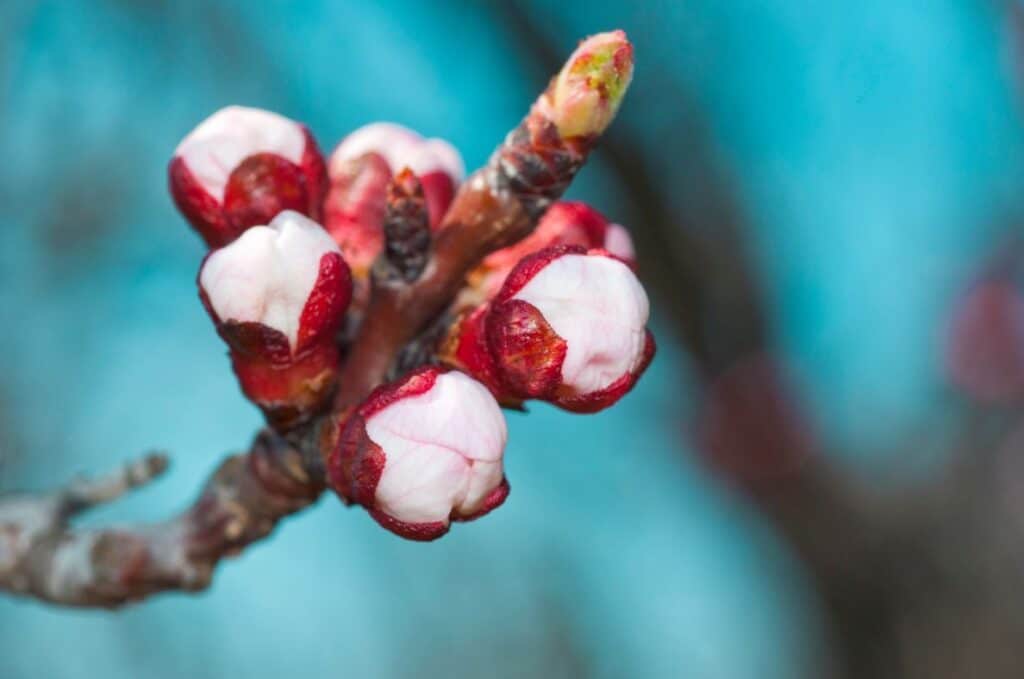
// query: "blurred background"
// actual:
[[818, 476]]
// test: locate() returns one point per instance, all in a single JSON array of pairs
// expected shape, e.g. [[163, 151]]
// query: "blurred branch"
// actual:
[[915, 580], [44, 557]]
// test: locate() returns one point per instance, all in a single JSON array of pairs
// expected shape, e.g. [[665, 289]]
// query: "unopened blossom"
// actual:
[[568, 326], [985, 346], [751, 425], [422, 452], [565, 223], [587, 92], [360, 169], [241, 167], [277, 295]]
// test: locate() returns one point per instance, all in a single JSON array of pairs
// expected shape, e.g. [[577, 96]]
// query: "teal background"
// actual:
[[874, 146]]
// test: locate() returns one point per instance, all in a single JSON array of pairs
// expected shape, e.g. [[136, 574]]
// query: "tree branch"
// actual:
[[43, 556]]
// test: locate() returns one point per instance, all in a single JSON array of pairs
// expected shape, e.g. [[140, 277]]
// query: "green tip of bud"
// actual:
[[587, 92]]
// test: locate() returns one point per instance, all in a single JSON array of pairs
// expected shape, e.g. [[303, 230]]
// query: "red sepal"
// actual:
[[438, 190], [326, 304], [414, 383], [577, 221], [526, 352], [259, 188], [355, 466], [314, 169], [201, 209], [354, 210], [531, 265], [471, 352], [493, 500], [421, 532]]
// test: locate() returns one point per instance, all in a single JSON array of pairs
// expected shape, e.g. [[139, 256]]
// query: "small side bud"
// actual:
[[406, 228], [422, 452], [240, 168], [751, 425], [984, 356], [277, 295], [586, 94], [569, 327]]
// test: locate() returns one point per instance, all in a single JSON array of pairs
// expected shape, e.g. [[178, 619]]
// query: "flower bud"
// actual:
[[434, 161], [241, 167], [985, 346], [569, 327], [422, 452], [277, 295], [751, 425], [565, 223], [587, 92]]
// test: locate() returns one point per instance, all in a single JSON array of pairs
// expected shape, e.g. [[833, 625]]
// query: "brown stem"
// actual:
[[42, 556]]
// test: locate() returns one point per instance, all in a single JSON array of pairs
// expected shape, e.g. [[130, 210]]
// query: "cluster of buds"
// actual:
[[277, 295], [568, 326], [559, 316]]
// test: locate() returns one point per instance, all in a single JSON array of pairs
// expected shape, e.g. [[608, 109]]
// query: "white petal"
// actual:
[[421, 482], [483, 478], [267, 274], [597, 305], [217, 146], [429, 442]]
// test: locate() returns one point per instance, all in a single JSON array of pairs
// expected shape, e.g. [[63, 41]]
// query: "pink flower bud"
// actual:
[[422, 452], [751, 425], [569, 326], [985, 346], [587, 92], [434, 161], [565, 223], [277, 295], [241, 167]]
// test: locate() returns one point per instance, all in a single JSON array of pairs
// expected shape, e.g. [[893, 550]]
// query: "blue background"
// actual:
[[876, 150]]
